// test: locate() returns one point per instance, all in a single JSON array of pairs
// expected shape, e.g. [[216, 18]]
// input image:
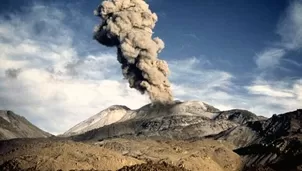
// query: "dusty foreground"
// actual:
[[117, 154]]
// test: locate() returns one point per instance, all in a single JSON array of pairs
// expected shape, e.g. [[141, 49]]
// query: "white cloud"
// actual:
[[262, 99], [290, 26], [290, 30], [190, 72], [269, 58], [56, 87], [282, 96], [267, 90], [192, 81], [215, 87], [298, 89], [293, 62]]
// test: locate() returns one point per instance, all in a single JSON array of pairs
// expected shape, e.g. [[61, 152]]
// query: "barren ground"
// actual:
[[114, 154]]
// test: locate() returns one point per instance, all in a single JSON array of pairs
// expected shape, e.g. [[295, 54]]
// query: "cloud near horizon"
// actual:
[[46, 77]]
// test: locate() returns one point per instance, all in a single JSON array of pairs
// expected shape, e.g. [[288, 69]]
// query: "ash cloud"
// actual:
[[127, 25], [12, 73]]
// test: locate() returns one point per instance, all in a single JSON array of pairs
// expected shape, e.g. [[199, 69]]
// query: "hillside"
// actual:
[[188, 135], [259, 140], [181, 120], [16, 126], [115, 154], [106, 117]]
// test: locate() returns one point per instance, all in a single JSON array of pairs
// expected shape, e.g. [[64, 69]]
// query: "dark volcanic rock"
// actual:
[[281, 154], [263, 131], [275, 142], [149, 166], [238, 116]]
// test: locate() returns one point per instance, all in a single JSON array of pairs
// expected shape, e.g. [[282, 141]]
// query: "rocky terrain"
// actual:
[[118, 114], [275, 142], [181, 120], [188, 135], [114, 154], [261, 141], [53, 154], [15, 126], [264, 131], [150, 166]]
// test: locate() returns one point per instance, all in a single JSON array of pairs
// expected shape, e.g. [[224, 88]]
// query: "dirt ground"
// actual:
[[114, 154], [206, 155], [152, 167], [61, 155]]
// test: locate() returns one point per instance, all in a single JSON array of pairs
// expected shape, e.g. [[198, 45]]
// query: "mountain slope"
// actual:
[[57, 154], [181, 120], [15, 126], [106, 117], [117, 114], [261, 142], [238, 116], [275, 142], [263, 131]]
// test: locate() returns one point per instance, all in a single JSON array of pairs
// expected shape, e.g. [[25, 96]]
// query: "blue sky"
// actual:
[[230, 54]]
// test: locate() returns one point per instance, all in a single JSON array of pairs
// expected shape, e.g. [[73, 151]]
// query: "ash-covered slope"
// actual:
[[106, 117], [181, 120], [116, 113], [15, 126]]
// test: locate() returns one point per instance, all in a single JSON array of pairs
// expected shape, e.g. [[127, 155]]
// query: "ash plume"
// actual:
[[12, 73], [128, 24]]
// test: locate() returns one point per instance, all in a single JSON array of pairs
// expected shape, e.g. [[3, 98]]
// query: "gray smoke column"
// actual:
[[12, 73], [128, 24]]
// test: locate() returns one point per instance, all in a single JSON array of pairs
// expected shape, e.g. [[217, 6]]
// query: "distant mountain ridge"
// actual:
[[15, 126], [273, 143], [268, 142], [117, 114], [180, 120]]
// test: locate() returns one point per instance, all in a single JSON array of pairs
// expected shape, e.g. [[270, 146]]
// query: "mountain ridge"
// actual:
[[253, 142], [150, 110], [181, 120], [16, 126]]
